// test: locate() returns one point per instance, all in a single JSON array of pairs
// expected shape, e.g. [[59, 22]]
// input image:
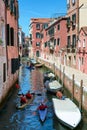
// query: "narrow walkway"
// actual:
[[70, 71]]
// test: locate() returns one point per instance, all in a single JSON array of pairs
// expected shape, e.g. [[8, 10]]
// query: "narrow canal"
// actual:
[[28, 118]]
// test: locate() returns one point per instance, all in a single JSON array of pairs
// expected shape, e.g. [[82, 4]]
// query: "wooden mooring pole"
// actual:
[[81, 95], [63, 76], [60, 73], [73, 86]]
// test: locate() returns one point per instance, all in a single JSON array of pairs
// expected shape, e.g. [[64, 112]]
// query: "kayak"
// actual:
[[19, 106], [42, 114]]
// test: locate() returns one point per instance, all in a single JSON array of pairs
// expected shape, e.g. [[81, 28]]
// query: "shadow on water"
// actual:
[[28, 118]]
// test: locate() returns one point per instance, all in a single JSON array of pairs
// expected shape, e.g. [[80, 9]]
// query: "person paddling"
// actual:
[[42, 106], [28, 95], [23, 99]]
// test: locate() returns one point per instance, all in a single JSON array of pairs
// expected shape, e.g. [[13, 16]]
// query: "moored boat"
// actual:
[[48, 76], [67, 112], [54, 86], [38, 65]]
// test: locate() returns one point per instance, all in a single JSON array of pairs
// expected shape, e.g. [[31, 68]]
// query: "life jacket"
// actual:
[[42, 107], [28, 95], [23, 99]]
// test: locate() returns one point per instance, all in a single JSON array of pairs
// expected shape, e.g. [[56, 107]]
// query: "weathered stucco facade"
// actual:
[[9, 47]]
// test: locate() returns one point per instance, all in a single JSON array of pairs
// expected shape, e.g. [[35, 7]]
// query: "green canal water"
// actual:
[[28, 118]]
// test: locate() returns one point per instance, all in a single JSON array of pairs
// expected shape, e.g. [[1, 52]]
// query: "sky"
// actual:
[[39, 9]]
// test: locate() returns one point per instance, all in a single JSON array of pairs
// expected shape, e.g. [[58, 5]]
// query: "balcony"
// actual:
[[68, 25], [51, 47]]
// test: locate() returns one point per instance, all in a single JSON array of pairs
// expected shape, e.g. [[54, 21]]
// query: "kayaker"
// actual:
[[17, 86], [59, 95], [42, 106], [28, 95], [23, 99]]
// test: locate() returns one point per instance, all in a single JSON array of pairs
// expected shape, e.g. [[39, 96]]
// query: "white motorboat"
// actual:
[[67, 112], [54, 86]]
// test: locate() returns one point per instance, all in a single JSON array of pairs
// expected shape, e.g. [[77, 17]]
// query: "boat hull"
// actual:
[[42, 114], [67, 112]]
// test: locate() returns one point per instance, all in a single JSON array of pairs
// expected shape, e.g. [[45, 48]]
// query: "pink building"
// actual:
[[81, 58]]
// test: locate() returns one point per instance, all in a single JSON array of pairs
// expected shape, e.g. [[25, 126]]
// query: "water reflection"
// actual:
[[28, 118]]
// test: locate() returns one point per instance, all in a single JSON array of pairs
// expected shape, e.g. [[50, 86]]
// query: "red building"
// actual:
[[9, 58], [3, 58], [35, 31], [55, 39], [81, 57]]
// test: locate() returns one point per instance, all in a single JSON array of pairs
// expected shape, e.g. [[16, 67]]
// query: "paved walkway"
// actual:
[[78, 75]]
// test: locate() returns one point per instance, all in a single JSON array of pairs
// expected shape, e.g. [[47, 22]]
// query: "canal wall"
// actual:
[[7, 88], [75, 88]]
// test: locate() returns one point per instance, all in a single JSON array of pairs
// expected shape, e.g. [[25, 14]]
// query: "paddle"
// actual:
[[39, 94]]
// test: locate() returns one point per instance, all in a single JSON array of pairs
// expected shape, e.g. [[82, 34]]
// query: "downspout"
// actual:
[[6, 37]]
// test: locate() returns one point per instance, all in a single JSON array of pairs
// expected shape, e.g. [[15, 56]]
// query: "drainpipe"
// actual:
[[79, 19], [6, 37]]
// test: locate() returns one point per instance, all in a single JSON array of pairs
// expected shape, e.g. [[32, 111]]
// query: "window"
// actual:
[[84, 44], [82, 60], [73, 2], [68, 4], [51, 31], [45, 25], [68, 41], [12, 36], [68, 22], [54, 42], [37, 43], [73, 21], [48, 43], [73, 40], [42, 35], [79, 43], [58, 41], [58, 26], [7, 2], [74, 18], [3, 34], [37, 35], [37, 26], [37, 53], [45, 44], [8, 34], [4, 72]]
